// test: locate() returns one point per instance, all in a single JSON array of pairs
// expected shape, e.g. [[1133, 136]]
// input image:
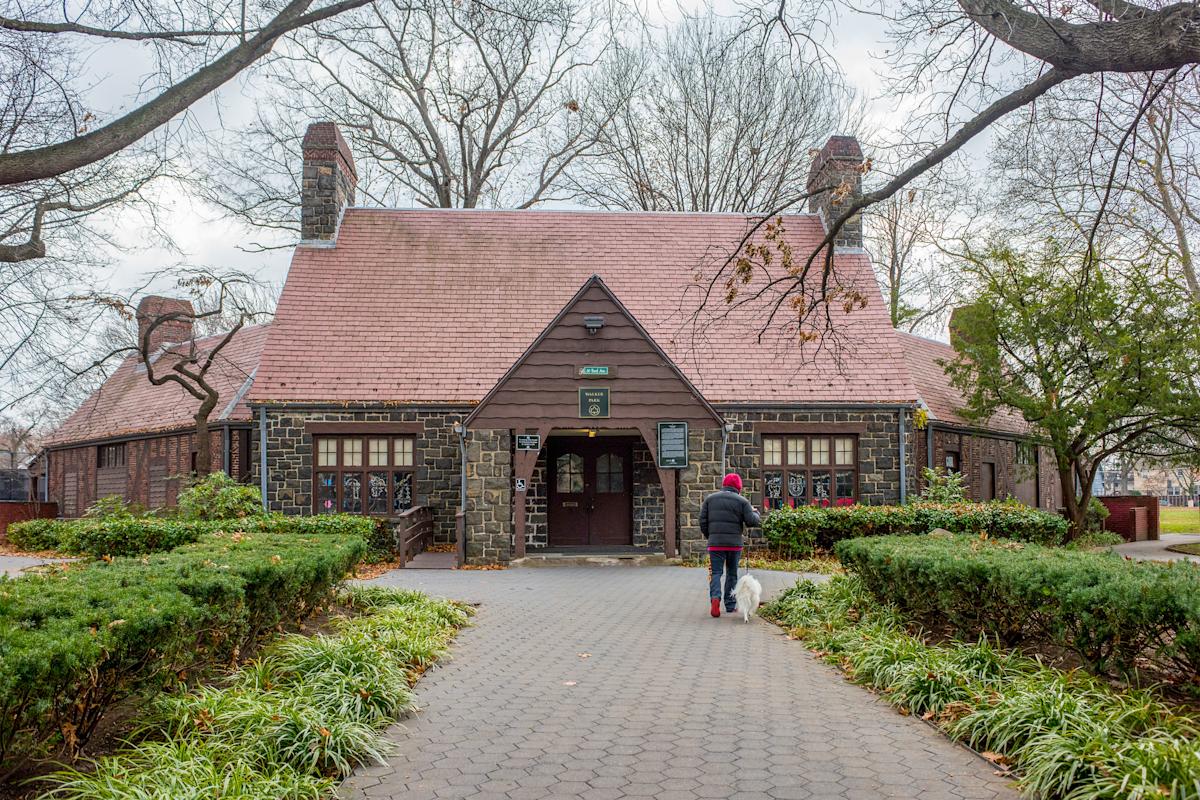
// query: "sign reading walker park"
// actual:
[[673, 444], [593, 403]]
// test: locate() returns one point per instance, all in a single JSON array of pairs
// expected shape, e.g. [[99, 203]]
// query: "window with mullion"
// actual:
[[799, 469], [368, 474]]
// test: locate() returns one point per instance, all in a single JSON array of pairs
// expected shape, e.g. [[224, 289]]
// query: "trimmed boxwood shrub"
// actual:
[[131, 536], [797, 530], [1108, 610], [78, 639]]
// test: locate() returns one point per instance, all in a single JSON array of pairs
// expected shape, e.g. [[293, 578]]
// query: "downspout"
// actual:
[[903, 468], [929, 444], [724, 445], [227, 459], [462, 467], [262, 454]]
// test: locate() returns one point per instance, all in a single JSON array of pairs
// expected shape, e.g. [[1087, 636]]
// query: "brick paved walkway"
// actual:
[[669, 703]]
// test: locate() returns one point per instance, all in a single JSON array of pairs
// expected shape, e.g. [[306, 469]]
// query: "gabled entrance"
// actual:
[[596, 377]]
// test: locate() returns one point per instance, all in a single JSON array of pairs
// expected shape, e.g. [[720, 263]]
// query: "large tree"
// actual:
[[445, 104], [1099, 361], [711, 120], [968, 64]]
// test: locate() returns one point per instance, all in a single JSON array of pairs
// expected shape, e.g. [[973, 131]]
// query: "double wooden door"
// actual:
[[590, 495]]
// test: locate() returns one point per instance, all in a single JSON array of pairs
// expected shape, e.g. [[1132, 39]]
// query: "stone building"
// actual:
[[566, 379]]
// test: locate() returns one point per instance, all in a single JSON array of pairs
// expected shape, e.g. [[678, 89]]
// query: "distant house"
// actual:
[[137, 440], [532, 378]]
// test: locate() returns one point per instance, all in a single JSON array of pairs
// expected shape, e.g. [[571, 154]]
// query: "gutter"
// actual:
[[262, 454]]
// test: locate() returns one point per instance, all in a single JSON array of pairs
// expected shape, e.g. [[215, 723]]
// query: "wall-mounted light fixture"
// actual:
[[593, 323]]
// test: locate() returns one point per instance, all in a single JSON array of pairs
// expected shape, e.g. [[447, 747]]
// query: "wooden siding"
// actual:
[[152, 476], [543, 386], [1035, 485]]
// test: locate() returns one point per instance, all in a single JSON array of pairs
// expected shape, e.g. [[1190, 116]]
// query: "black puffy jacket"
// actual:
[[723, 515]]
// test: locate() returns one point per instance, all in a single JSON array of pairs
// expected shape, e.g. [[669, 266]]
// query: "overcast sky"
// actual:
[[206, 239]]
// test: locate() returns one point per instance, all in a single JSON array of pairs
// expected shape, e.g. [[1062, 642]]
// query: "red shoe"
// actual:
[[716, 607]]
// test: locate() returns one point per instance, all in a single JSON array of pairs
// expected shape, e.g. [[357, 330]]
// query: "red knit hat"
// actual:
[[734, 480]]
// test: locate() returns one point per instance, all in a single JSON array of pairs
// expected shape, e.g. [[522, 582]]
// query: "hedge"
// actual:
[[78, 639], [800, 529], [130, 536], [1107, 610]]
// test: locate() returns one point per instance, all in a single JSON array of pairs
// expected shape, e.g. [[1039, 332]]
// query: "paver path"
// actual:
[[669, 703], [1157, 550]]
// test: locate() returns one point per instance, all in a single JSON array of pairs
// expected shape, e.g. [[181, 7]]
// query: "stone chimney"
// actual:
[[965, 323], [172, 331], [838, 168], [328, 181]]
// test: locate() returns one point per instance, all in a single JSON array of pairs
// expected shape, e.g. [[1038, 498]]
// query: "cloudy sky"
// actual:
[[204, 238]]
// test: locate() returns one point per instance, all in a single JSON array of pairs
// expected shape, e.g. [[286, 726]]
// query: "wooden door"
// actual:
[[590, 497]]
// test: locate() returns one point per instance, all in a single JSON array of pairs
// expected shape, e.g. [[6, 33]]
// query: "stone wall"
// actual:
[[648, 511], [489, 497], [879, 461], [290, 454]]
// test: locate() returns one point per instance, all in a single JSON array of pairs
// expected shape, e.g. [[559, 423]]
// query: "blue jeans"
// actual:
[[724, 561]]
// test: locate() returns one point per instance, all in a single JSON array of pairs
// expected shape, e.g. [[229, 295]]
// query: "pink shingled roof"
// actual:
[[944, 401], [432, 306], [127, 403]]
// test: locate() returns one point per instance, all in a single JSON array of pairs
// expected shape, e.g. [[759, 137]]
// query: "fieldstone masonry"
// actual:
[[290, 458], [489, 519]]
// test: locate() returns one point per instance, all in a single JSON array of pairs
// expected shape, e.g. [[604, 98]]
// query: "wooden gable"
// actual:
[[541, 389]]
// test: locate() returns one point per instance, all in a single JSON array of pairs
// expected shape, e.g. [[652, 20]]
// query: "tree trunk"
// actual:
[[1076, 515], [203, 449]]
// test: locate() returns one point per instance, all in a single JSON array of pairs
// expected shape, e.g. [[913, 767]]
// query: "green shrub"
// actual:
[[943, 487], [798, 528], [37, 534], [1097, 513], [1107, 610], [306, 711], [132, 536], [219, 497], [113, 507], [1069, 735], [76, 640]]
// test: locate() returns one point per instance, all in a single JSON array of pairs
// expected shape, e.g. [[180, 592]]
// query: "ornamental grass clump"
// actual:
[[292, 721], [1068, 735]]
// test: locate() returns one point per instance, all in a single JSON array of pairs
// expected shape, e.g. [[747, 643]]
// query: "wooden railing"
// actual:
[[414, 532]]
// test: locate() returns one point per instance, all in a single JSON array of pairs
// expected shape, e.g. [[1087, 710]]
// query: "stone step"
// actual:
[[594, 560]]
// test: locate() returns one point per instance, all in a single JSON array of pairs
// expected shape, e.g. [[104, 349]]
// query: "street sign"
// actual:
[[595, 371], [529, 441], [673, 444], [594, 403]]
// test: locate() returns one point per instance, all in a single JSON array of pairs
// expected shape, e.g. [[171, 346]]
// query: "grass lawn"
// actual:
[[1191, 549], [1179, 520]]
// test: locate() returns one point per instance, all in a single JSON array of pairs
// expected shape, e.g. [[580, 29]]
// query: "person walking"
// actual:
[[723, 516]]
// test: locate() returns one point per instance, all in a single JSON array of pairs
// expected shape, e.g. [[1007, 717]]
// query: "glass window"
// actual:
[[795, 452], [569, 473], [953, 464], [799, 470], [340, 483], [112, 455], [377, 492], [610, 474], [327, 492], [352, 492], [404, 452], [401, 492], [327, 452], [772, 452]]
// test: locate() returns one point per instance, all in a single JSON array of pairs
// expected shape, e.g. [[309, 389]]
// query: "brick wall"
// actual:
[[13, 511], [1032, 484], [1120, 515], [290, 453]]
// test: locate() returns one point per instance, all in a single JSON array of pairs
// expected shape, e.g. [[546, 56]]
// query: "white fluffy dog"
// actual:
[[748, 592]]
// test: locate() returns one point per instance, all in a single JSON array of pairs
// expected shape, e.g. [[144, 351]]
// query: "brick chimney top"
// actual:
[[836, 164], [172, 331], [328, 182]]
